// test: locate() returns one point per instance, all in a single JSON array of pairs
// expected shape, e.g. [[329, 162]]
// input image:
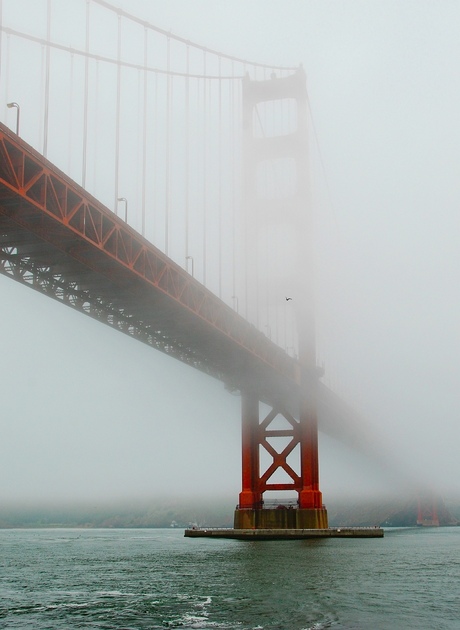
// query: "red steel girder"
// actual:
[[40, 199], [254, 436]]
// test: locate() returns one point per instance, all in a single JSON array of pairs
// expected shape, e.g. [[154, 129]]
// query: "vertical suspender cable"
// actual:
[[7, 83], [144, 131], [139, 133], [47, 78], [219, 204], [187, 151], [244, 221], [171, 162], [272, 254], [7, 68], [155, 157], [275, 255], [117, 119], [196, 171], [96, 113], [69, 156], [168, 142], [204, 168], [85, 99], [258, 222], [42, 77], [233, 183]]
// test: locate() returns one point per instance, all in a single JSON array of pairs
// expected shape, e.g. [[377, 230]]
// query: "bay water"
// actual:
[[155, 578]]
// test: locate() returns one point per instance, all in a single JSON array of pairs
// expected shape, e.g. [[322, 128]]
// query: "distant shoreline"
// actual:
[[170, 514]]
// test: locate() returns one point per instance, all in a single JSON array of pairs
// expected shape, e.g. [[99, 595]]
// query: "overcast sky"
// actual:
[[89, 413]]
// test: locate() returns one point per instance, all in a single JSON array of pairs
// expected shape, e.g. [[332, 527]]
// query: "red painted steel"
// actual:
[[309, 495], [58, 239], [304, 431], [250, 495], [52, 225], [256, 434]]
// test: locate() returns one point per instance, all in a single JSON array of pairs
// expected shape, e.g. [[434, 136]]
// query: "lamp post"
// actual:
[[18, 109], [187, 258], [126, 207]]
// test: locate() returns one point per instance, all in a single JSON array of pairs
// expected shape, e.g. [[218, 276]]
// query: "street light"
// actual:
[[190, 258], [126, 207], [10, 105]]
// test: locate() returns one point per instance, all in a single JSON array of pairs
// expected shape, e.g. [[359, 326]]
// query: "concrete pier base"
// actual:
[[285, 518], [284, 534]]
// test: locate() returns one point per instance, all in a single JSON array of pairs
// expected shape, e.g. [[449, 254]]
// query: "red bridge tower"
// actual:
[[282, 212]]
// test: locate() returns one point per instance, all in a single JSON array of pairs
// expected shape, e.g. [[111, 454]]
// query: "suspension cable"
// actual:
[[161, 31], [110, 60]]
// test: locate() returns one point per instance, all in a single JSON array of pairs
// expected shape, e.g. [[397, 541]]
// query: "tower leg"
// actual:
[[250, 496], [309, 513], [310, 496]]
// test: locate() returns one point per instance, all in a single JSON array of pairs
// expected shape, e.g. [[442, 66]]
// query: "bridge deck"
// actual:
[[59, 240]]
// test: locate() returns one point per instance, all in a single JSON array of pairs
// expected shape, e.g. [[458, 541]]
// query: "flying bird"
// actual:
[[287, 299]]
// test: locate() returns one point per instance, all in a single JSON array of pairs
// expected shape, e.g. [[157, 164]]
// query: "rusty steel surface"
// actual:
[[60, 240]]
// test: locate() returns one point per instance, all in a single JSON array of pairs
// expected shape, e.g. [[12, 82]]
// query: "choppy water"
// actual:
[[132, 579]]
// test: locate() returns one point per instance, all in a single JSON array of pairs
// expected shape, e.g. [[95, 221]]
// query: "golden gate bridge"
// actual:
[[162, 188]]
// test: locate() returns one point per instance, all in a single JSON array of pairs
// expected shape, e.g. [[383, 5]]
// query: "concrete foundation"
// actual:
[[281, 518]]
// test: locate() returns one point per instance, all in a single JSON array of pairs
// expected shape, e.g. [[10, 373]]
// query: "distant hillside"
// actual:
[[155, 513], [388, 513], [183, 512]]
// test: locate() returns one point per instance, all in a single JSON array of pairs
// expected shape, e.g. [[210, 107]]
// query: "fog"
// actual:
[[89, 414]]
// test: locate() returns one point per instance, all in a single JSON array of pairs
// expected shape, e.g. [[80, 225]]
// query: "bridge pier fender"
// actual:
[[285, 518]]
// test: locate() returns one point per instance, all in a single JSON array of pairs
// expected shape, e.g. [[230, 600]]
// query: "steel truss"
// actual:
[[58, 239]]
